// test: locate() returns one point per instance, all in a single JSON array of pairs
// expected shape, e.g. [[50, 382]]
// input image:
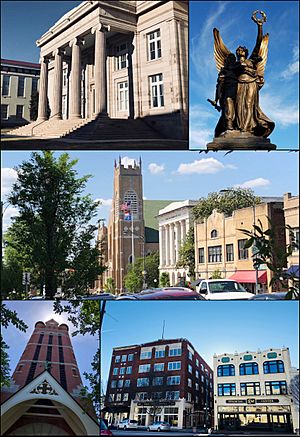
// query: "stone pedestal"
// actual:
[[236, 140]]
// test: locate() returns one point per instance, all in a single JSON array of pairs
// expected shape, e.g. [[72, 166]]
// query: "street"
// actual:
[[178, 433]]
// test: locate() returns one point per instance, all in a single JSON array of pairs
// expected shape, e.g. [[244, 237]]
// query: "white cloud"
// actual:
[[254, 183], [126, 161], [200, 137], [278, 110], [8, 178], [104, 202], [8, 213], [201, 166], [293, 67], [156, 168]]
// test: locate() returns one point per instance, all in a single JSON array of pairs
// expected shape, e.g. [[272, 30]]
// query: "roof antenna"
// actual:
[[163, 330]]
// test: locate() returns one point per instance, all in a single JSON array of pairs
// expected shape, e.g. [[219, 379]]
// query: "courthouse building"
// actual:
[[162, 380], [43, 397], [291, 217], [126, 59], [174, 221], [252, 392], [219, 243], [19, 80]]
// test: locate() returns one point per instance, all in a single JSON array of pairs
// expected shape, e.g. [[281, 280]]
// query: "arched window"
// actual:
[[214, 233], [249, 369], [130, 199], [275, 366], [226, 370]]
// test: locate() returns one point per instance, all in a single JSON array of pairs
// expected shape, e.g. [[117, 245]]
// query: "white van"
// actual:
[[222, 289]]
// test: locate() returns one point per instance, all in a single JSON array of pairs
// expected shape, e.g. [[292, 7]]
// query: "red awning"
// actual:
[[249, 276]]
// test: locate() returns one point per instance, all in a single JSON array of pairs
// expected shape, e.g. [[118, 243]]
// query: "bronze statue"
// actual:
[[239, 81]]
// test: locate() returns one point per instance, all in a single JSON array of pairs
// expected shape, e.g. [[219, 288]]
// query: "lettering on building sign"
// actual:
[[44, 389], [150, 404], [252, 401]]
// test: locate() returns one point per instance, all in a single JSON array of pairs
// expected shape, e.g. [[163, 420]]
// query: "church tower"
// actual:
[[126, 229], [45, 395], [49, 348]]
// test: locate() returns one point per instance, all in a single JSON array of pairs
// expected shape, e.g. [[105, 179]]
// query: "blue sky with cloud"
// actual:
[[175, 175], [279, 96]]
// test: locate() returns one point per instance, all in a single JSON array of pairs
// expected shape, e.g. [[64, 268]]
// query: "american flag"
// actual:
[[125, 206]]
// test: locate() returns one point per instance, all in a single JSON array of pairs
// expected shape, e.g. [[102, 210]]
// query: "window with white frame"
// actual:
[[197, 362], [130, 357], [142, 382], [117, 359], [172, 395], [113, 383], [174, 365], [128, 370], [111, 397], [159, 367], [148, 354], [124, 358], [121, 57], [174, 352], [120, 383], [157, 90], [144, 368], [154, 45], [123, 96], [118, 397], [115, 371], [122, 370], [197, 374], [189, 397], [125, 397], [127, 383], [159, 353], [158, 380], [173, 380], [190, 369], [189, 382]]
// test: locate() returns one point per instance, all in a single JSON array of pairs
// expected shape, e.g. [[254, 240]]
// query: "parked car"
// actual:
[[159, 426], [222, 289], [168, 293], [270, 296], [127, 424], [101, 296], [103, 429]]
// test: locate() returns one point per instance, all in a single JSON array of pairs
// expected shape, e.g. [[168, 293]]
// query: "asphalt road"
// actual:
[[153, 433]]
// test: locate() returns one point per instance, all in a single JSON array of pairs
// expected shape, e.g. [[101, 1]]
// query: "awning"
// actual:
[[249, 276], [293, 271]]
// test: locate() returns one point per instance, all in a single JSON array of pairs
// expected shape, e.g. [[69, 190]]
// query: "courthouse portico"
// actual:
[[121, 59]]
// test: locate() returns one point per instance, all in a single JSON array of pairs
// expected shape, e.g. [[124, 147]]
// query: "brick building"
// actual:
[[219, 243], [43, 397], [161, 380]]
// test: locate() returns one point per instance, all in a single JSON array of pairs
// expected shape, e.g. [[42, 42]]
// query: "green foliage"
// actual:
[[268, 252], [52, 233], [34, 105], [134, 279], [187, 254], [164, 280], [216, 275], [227, 202], [8, 317], [110, 286]]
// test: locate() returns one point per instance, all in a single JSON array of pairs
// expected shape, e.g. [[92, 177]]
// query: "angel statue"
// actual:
[[239, 80]]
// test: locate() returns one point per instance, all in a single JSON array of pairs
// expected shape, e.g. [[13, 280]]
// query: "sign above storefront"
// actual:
[[251, 401]]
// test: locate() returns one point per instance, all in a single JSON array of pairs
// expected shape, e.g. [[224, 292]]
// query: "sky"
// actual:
[[212, 327], [279, 96], [31, 312], [173, 175]]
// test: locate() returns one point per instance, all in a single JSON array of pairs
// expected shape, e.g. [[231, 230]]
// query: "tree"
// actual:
[[134, 278], [110, 286], [268, 252], [8, 317], [52, 232], [216, 274], [227, 202], [164, 280], [187, 254]]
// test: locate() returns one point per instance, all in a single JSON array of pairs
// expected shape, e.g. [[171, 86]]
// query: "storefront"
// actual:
[[255, 418], [247, 278]]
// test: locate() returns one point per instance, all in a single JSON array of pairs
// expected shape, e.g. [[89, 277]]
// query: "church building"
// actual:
[[44, 394]]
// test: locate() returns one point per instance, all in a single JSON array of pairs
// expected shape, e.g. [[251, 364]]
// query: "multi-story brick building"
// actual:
[[19, 80], [252, 392], [219, 243], [44, 395], [161, 380]]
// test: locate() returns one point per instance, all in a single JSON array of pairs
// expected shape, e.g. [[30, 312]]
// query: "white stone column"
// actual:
[[178, 241], [167, 245], [171, 243], [57, 90], [183, 230], [75, 88], [43, 90], [100, 68], [160, 246]]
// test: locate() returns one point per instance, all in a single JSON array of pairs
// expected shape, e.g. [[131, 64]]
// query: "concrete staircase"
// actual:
[[105, 128], [99, 128], [51, 128]]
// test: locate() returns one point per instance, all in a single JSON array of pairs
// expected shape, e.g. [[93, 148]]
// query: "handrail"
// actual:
[[43, 121]]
